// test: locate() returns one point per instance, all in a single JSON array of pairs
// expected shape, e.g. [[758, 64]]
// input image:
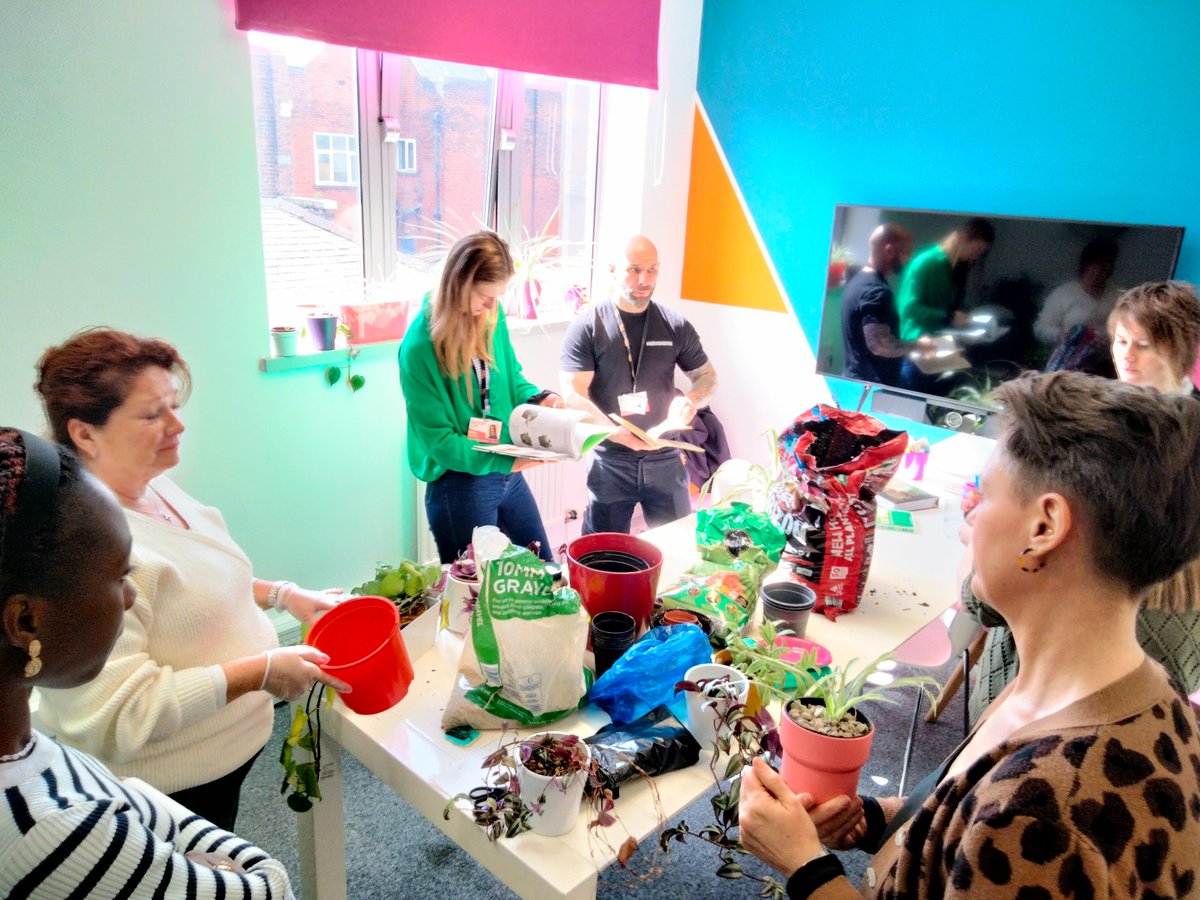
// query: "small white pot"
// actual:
[[704, 712], [455, 597], [560, 809]]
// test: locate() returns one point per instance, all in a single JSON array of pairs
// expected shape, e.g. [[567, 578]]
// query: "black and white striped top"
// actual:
[[69, 828]]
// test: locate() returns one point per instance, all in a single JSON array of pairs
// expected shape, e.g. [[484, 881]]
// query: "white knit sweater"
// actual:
[[69, 828], [157, 711]]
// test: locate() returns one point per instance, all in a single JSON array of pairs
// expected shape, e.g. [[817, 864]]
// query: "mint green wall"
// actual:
[[130, 198]]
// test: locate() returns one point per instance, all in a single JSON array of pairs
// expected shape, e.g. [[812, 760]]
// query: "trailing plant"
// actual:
[[741, 736], [302, 770], [333, 374], [499, 807]]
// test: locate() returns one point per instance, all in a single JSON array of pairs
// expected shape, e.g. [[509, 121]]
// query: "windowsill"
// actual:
[[335, 357], [381, 349]]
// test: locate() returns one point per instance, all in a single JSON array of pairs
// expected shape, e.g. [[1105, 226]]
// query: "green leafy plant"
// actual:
[[499, 807], [750, 485], [333, 374], [300, 753], [407, 584], [741, 736], [842, 689], [762, 661]]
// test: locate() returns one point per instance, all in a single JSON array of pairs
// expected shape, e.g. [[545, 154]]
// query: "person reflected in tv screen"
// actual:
[[870, 324], [1074, 317], [930, 297], [1086, 300]]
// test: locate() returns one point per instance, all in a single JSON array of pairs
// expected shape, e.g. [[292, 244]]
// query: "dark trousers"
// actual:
[[457, 503], [217, 801], [618, 483]]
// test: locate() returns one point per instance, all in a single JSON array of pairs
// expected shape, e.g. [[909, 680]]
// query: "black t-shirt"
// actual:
[[867, 299], [662, 339]]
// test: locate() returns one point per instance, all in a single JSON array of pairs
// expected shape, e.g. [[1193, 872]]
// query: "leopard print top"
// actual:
[[1101, 799]]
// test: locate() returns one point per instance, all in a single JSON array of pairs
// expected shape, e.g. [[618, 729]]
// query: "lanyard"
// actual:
[[633, 369], [483, 376]]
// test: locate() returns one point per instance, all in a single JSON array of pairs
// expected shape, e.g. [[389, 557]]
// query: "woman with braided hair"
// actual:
[[68, 826]]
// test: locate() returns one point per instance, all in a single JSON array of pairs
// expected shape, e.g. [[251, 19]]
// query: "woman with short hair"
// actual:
[[1083, 778], [1155, 331], [461, 381]]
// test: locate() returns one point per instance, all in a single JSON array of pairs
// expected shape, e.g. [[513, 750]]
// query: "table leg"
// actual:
[[322, 832]]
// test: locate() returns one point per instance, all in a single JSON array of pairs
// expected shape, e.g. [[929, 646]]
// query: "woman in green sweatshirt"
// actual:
[[461, 381]]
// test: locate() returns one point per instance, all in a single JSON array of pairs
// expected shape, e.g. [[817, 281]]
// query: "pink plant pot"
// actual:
[[818, 764]]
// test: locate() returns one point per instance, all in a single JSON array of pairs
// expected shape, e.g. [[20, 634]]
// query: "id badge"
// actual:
[[484, 430], [637, 404]]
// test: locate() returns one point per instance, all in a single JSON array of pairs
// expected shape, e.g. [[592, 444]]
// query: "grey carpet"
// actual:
[[393, 852]]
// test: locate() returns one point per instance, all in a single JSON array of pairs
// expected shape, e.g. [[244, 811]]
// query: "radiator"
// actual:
[[561, 494]]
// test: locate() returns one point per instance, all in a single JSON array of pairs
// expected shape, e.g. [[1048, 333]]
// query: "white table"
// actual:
[[911, 582]]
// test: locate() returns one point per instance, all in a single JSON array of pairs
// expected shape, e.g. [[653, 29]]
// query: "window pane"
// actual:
[[446, 109], [558, 182], [305, 101]]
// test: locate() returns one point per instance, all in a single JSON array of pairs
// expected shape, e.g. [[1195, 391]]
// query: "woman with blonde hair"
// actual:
[[461, 381]]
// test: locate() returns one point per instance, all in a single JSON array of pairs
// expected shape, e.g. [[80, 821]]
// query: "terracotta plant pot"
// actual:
[[819, 764]]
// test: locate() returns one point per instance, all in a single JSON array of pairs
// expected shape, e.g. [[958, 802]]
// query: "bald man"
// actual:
[[869, 321], [621, 358]]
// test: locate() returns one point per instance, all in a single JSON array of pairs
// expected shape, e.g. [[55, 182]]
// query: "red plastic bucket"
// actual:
[[619, 585], [362, 638]]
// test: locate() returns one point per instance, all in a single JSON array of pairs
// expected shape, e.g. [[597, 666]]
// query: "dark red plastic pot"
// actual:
[[615, 571]]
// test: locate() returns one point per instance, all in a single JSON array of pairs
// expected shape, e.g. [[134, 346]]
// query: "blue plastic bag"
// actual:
[[645, 676]]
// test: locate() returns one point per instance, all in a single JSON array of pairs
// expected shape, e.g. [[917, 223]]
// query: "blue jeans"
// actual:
[[619, 482], [457, 503]]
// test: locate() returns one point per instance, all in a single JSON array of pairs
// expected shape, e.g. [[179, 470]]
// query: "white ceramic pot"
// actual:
[[455, 598], [703, 712], [560, 809]]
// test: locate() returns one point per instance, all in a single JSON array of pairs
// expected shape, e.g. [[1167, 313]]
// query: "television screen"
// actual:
[[978, 298]]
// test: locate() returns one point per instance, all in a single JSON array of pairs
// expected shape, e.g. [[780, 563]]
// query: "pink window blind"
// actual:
[[612, 41]]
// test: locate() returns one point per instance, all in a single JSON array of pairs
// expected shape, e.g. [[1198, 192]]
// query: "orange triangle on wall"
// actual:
[[723, 260]]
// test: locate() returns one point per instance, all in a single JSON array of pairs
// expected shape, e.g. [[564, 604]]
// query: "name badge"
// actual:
[[484, 430], [637, 404]]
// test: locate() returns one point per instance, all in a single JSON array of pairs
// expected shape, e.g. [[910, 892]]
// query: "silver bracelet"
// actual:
[[274, 592]]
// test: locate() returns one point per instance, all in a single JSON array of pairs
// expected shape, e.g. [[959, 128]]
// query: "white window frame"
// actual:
[[330, 153], [406, 156]]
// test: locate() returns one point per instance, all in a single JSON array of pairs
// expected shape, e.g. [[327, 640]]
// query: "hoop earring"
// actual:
[[35, 664], [1023, 559]]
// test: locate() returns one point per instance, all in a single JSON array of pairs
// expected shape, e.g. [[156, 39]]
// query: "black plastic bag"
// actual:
[[651, 745]]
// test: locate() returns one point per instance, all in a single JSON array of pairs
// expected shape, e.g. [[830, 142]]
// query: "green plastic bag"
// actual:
[[712, 523]]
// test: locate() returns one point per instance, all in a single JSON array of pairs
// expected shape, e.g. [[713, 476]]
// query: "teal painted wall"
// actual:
[[1082, 110], [130, 198]]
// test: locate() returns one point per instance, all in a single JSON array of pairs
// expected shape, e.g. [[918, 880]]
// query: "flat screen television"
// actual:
[[1021, 305]]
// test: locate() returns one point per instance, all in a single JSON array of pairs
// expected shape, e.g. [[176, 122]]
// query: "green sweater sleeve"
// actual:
[[925, 295], [440, 408]]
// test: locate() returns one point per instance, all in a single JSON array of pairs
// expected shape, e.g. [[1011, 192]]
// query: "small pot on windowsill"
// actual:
[[283, 340], [322, 330]]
